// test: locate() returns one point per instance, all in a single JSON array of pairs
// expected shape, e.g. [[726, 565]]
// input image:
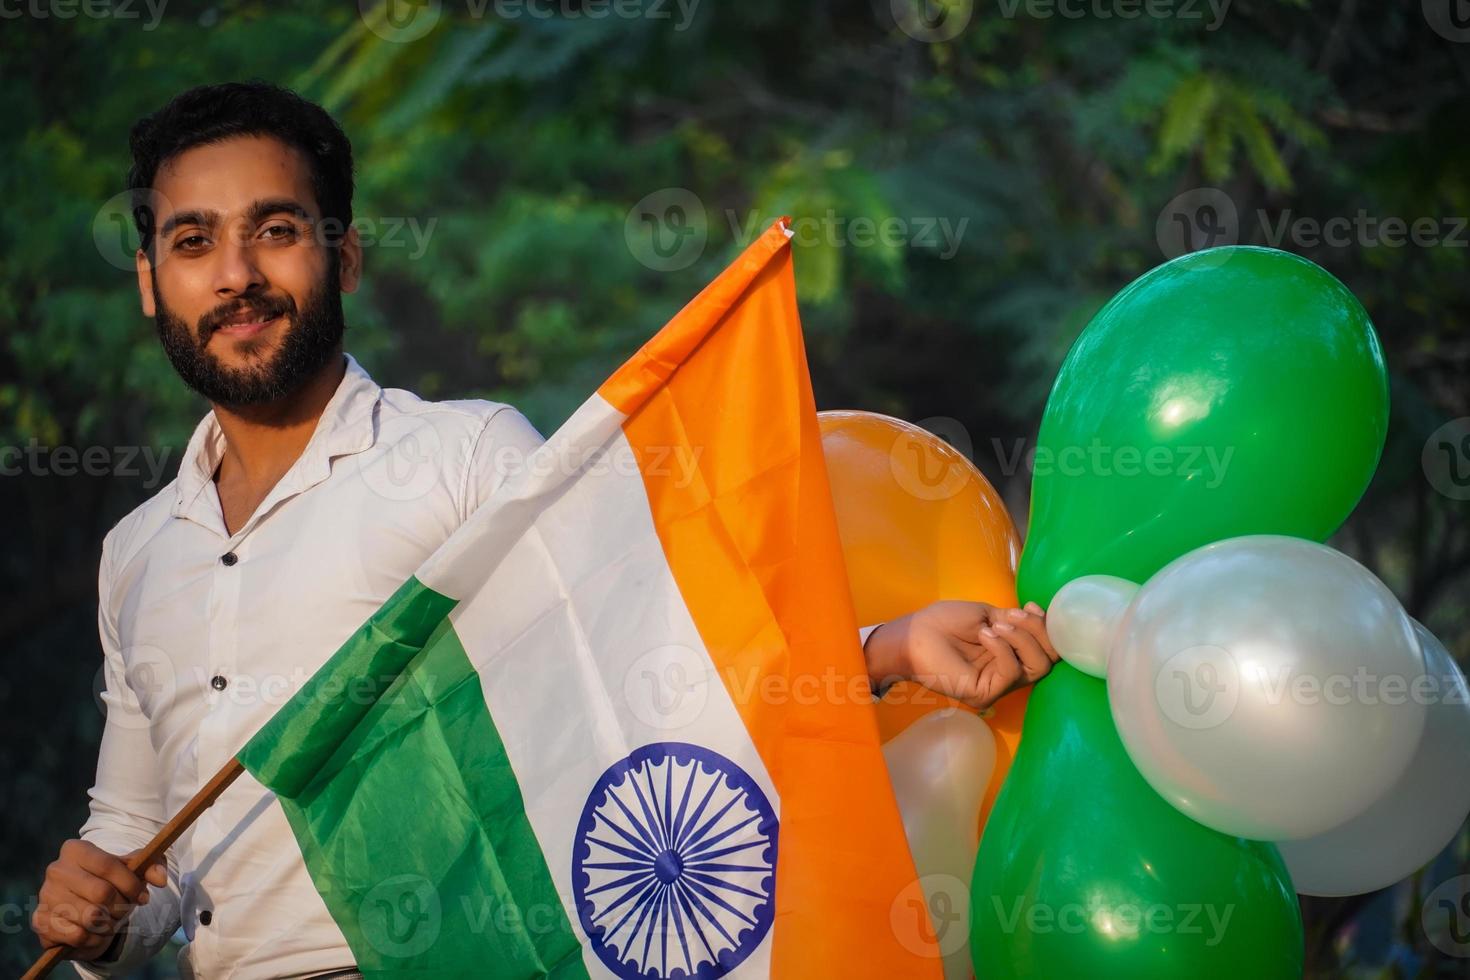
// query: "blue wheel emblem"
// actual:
[[674, 865]]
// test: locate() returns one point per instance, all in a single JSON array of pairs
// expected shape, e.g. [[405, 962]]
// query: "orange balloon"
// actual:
[[920, 523]]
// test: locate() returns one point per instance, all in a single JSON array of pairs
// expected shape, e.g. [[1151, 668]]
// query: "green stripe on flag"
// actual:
[[407, 811], [298, 743]]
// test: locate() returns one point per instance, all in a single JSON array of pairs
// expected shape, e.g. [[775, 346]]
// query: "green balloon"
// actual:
[[1085, 871], [1232, 391]]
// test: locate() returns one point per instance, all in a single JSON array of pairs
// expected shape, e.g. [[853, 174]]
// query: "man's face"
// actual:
[[243, 283]]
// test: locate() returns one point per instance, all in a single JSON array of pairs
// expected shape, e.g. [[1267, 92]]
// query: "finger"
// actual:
[[155, 872], [986, 614], [62, 932], [94, 919], [1034, 660], [1035, 626], [1000, 674], [112, 870], [75, 884], [73, 921], [966, 647]]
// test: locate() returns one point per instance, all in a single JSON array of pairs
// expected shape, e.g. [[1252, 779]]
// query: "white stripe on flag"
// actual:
[[586, 652]]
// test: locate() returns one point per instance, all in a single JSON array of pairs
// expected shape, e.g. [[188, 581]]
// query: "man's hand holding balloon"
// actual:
[[973, 652]]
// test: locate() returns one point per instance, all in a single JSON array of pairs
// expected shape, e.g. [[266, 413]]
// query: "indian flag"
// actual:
[[617, 725]]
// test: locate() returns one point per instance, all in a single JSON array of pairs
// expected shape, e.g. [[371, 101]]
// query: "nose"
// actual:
[[235, 271]]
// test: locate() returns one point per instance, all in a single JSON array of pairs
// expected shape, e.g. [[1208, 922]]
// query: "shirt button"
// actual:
[[229, 558], [206, 917], [218, 683]]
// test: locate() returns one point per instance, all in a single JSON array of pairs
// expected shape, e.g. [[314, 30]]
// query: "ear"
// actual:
[[145, 282], [349, 255]]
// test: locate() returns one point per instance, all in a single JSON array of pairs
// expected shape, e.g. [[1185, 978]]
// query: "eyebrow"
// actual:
[[257, 212]]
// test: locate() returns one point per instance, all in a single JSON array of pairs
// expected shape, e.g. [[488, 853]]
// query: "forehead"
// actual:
[[229, 176]]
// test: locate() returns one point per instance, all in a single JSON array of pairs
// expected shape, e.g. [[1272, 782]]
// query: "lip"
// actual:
[[248, 329]]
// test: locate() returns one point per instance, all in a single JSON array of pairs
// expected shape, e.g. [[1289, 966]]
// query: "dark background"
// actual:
[[507, 159]]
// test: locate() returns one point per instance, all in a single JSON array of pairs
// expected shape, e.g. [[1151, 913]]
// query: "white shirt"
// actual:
[[205, 634]]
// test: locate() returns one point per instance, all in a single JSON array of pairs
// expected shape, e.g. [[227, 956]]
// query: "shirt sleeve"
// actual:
[[126, 808], [502, 448]]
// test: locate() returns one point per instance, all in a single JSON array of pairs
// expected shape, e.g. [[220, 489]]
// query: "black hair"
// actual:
[[213, 113]]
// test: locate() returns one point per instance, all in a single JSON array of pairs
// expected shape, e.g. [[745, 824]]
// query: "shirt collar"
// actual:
[[345, 427]]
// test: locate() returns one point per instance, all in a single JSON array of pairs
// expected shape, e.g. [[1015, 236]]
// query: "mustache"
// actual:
[[264, 308]]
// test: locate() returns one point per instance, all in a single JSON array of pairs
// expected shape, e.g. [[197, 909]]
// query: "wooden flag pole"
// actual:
[[160, 843]]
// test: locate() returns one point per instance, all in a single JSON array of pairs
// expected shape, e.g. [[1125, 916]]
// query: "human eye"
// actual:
[[280, 231]]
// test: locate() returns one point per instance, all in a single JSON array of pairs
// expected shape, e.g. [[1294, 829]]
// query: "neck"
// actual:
[[262, 441]]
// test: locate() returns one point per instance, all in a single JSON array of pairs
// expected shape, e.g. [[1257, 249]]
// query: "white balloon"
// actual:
[[1418, 816], [1083, 617], [940, 766], [1253, 685]]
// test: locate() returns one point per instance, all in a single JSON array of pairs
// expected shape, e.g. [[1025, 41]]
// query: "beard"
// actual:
[[312, 335]]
